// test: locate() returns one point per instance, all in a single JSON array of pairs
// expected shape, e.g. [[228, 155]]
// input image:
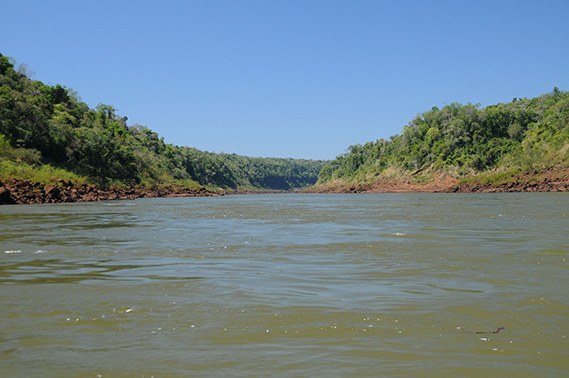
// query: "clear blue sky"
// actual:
[[283, 78]]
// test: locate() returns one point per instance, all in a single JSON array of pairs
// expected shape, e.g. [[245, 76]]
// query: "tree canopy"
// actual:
[[49, 125], [525, 134]]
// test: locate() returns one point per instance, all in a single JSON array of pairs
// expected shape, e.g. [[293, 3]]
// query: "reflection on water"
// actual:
[[61, 271], [287, 285]]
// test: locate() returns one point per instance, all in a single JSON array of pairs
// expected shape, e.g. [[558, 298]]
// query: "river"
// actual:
[[287, 285]]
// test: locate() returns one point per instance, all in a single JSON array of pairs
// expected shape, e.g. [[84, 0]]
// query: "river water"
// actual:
[[287, 285]]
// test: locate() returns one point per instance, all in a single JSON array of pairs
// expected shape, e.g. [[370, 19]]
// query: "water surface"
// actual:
[[287, 285]]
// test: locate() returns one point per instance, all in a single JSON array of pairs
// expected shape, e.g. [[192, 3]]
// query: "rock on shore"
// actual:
[[548, 181], [27, 192], [555, 180]]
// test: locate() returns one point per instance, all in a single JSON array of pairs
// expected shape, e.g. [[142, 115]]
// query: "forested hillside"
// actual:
[[48, 134], [525, 136]]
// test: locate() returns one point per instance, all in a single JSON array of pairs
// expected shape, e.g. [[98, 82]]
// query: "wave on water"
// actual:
[[15, 251]]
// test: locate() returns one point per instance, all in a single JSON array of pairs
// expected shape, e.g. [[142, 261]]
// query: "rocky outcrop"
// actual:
[[548, 181], [6, 195], [27, 192], [554, 180]]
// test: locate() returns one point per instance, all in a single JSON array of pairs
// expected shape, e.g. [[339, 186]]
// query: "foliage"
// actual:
[[44, 173], [526, 134], [42, 124]]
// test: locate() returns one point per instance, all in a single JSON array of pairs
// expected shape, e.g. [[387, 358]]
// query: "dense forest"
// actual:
[[47, 133], [495, 143]]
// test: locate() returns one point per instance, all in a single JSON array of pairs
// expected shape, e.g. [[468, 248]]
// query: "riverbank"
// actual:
[[28, 192], [387, 185], [556, 180]]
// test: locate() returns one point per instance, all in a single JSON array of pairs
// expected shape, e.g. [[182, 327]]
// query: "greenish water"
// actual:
[[287, 285]]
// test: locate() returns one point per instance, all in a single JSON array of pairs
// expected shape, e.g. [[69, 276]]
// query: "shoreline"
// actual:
[[15, 192], [548, 181]]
